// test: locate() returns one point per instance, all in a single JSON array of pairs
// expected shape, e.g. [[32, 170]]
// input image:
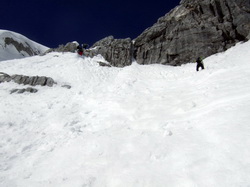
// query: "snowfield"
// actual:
[[138, 126]]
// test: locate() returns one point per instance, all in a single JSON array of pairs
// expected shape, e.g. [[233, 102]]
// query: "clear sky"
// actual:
[[54, 22]]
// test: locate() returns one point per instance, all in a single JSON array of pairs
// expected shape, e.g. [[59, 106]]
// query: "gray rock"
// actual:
[[13, 91], [41, 81], [33, 82], [28, 80], [19, 91], [66, 86], [50, 82], [69, 47], [31, 90], [104, 64], [118, 52], [90, 52], [23, 79], [16, 78], [4, 77], [194, 28]]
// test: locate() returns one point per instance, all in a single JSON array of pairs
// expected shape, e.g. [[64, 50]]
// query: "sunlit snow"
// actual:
[[8, 52], [138, 126]]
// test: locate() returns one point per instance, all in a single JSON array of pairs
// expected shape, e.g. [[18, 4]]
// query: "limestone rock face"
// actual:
[[69, 47], [118, 52], [194, 28]]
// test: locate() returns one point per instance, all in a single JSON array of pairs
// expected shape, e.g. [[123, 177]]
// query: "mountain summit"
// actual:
[[15, 46]]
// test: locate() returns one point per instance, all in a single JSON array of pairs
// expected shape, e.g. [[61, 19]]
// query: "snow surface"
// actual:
[[8, 52], [139, 126]]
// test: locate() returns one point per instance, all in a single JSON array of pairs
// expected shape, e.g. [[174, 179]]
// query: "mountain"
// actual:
[[137, 126], [194, 28], [15, 46]]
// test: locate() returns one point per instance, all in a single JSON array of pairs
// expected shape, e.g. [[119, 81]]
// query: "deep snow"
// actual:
[[139, 126]]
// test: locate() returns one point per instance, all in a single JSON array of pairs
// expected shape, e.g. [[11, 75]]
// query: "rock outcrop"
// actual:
[[104, 64], [27, 80], [22, 90], [118, 52], [69, 47], [20, 46], [194, 28]]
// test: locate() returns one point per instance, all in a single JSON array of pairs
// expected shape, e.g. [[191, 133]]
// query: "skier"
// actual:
[[199, 64]]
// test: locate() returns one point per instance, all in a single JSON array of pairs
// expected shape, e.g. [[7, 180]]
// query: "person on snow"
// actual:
[[199, 64], [80, 50]]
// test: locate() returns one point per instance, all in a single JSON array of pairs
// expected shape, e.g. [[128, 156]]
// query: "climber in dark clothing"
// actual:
[[80, 50], [199, 64]]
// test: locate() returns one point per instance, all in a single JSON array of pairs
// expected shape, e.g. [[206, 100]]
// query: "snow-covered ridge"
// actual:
[[15, 46], [137, 126]]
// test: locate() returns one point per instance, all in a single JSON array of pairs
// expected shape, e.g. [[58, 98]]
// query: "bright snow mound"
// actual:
[[16, 46], [138, 126]]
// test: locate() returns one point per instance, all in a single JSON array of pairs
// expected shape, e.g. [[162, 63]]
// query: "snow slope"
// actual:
[[8, 52], [138, 126]]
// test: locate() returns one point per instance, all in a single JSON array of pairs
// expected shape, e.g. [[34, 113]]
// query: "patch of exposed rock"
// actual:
[[33, 80], [103, 64], [20, 47], [27, 80], [22, 90]]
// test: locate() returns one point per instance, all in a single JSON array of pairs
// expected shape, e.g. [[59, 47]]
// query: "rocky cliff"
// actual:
[[194, 28]]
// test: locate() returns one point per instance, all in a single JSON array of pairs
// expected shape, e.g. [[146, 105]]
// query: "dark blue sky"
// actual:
[[54, 22]]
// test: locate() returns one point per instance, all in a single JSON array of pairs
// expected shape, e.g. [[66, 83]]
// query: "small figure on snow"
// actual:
[[80, 48], [199, 64]]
